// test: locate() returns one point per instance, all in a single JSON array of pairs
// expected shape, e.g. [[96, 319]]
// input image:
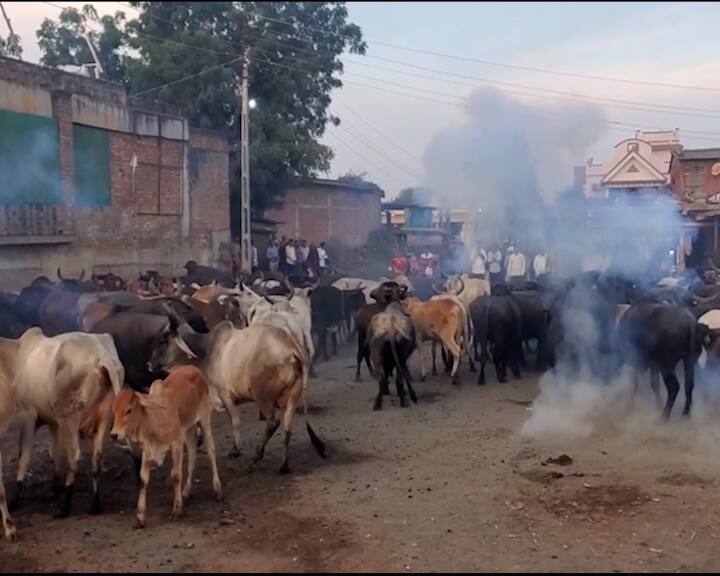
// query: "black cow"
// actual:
[[657, 337], [10, 324], [534, 323], [205, 275], [390, 342], [326, 303], [497, 320], [135, 336]]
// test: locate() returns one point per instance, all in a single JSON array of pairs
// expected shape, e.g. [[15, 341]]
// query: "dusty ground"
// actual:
[[447, 484]]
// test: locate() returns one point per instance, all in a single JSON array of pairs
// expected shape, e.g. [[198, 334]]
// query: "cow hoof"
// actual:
[[64, 512], [481, 382], [377, 407], [422, 378], [96, 509], [404, 403], [358, 379], [139, 524], [473, 369], [175, 516], [235, 453], [284, 469], [219, 496], [12, 536]]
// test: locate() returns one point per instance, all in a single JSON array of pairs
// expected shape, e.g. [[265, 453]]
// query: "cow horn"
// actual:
[[462, 286], [184, 347], [435, 289], [268, 299], [59, 275]]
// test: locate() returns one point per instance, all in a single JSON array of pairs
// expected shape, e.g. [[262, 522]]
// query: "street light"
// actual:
[[252, 103]]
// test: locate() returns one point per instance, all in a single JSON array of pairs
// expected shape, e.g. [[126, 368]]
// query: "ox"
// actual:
[[442, 321], [67, 382], [261, 364], [391, 341], [164, 421]]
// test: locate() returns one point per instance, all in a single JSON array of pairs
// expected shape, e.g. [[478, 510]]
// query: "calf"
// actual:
[[162, 422], [442, 321], [391, 341]]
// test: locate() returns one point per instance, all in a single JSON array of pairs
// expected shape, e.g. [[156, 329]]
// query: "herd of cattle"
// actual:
[[148, 361]]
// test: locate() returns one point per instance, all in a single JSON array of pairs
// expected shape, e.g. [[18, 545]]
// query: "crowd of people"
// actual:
[[295, 256], [497, 264]]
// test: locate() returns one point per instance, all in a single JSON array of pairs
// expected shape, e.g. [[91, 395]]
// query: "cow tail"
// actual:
[[483, 333], [314, 438], [101, 406], [400, 365]]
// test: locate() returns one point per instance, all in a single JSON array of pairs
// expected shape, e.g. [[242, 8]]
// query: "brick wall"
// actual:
[[318, 212]]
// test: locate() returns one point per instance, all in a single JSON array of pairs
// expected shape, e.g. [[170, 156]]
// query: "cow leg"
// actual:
[[70, 438], [420, 350], [673, 386], [27, 440], [411, 391], [689, 364], [206, 426], [287, 426], [323, 343], [499, 361], [142, 492], [378, 399], [360, 355], [483, 361], [434, 369], [516, 361], [335, 337], [176, 476], [191, 445], [7, 523], [98, 442], [654, 384], [234, 420], [455, 352], [400, 389], [56, 455], [271, 425]]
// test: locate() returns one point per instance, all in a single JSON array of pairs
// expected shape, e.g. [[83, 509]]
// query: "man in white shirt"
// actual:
[[478, 267], [253, 249], [540, 266], [322, 257], [515, 267], [495, 265]]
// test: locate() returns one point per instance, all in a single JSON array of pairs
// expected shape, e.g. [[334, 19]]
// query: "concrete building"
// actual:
[[91, 179], [638, 165], [321, 210]]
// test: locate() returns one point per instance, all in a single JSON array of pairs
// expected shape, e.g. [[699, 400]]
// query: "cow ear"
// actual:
[[151, 402]]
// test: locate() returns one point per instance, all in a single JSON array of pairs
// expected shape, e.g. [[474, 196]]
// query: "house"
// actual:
[[695, 182], [90, 178], [320, 210], [638, 165]]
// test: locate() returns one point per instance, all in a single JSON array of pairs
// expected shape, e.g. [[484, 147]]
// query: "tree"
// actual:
[[353, 177], [63, 42], [294, 49], [11, 47]]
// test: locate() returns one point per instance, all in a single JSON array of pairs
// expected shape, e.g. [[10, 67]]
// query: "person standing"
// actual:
[[303, 251], [273, 255], [282, 255], [290, 258], [540, 266], [478, 266], [494, 265], [515, 267], [322, 258], [254, 256], [313, 261]]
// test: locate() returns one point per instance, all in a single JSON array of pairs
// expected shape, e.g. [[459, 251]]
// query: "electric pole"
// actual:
[[14, 48], [245, 245]]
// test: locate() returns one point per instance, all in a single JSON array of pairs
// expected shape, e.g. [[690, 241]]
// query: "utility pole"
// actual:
[[14, 48], [98, 66], [245, 245]]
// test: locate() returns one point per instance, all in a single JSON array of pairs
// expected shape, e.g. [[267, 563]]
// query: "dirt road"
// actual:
[[449, 484]]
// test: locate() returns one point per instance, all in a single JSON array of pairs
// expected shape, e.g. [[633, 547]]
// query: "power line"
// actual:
[[377, 150], [499, 64], [191, 76], [360, 155]]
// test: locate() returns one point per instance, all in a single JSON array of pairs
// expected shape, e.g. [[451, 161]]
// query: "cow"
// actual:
[[204, 275], [108, 282], [7, 401], [366, 286], [11, 326], [67, 382], [497, 320], [443, 321], [534, 320], [467, 332], [216, 310], [163, 421], [391, 341], [467, 289], [262, 364], [326, 304], [658, 337], [134, 336]]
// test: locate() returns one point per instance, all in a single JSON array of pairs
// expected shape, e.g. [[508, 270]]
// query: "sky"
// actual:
[[387, 134]]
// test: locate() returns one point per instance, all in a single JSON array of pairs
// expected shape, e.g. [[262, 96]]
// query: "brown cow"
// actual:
[[163, 421], [441, 321]]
